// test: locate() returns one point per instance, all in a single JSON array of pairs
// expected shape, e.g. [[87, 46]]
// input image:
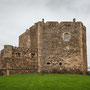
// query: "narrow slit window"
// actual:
[[48, 63], [32, 55], [18, 54], [60, 63], [66, 36]]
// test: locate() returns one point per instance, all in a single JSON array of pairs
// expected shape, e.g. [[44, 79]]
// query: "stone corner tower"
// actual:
[[62, 47]]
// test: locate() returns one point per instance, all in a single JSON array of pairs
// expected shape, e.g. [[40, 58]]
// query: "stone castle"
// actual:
[[50, 47]]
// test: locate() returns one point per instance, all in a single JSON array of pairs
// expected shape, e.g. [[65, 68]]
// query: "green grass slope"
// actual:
[[45, 82]]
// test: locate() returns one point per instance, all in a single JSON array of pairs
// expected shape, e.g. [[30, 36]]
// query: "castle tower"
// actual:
[[62, 47]]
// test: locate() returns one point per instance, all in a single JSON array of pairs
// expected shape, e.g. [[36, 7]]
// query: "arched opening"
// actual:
[[66, 36]]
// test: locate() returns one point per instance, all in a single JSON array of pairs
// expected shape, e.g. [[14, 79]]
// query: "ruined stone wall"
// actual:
[[60, 55], [44, 48], [24, 39], [29, 39], [33, 38], [84, 48], [22, 61]]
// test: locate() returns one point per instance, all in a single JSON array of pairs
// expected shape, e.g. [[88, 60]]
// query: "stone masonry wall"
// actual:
[[22, 59], [60, 55], [24, 39], [44, 49], [84, 48]]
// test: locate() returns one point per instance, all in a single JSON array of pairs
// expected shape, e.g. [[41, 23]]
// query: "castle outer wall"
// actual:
[[43, 48]]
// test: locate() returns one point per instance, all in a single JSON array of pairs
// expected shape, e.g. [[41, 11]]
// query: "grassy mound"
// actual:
[[45, 82]]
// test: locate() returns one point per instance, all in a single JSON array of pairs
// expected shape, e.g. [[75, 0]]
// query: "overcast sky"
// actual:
[[18, 15]]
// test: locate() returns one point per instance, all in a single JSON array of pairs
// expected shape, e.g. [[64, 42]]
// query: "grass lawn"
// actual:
[[45, 82]]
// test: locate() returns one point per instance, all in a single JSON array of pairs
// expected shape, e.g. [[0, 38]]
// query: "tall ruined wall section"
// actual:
[[84, 48], [29, 38], [22, 59], [24, 39], [33, 38], [59, 55]]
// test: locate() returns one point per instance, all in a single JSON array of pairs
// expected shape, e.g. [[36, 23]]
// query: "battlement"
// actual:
[[55, 23]]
